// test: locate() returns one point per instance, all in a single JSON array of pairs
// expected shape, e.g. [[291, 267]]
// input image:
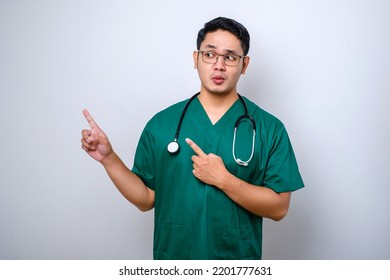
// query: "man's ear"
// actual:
[[195, 57], [245, 64]]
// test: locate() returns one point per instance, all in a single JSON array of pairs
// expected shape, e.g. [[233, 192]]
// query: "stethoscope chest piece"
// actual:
[[173, 147]]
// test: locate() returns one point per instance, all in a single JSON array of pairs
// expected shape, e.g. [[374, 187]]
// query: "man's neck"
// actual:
[[216, 105]]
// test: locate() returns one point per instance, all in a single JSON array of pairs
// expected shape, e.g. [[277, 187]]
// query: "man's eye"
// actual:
[[230, 57], [210, 54]]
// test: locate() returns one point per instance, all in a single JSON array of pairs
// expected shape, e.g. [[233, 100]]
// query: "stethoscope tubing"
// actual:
[[183, 115], [174, 147]]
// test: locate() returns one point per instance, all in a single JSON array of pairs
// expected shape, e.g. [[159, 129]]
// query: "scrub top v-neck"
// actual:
[[192, 219]]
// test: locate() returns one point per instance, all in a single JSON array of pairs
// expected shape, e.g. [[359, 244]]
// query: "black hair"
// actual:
[[226, 24]]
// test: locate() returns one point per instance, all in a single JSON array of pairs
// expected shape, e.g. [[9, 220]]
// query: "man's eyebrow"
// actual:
[[231, 51], [209, 46]]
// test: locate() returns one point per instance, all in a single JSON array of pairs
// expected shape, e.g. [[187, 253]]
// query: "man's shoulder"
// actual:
[[168, 115], [260, 113], [171, 110]]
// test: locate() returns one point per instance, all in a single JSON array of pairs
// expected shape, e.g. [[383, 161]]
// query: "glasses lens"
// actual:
[[231, 59], [209, 57]]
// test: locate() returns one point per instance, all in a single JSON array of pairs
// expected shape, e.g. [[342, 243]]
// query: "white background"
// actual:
[[322, 67]]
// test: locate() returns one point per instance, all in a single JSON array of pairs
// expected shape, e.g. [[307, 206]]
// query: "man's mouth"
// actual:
[[218, 80]]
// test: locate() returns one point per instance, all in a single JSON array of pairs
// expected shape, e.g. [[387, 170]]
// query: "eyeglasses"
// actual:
[[212, 57]]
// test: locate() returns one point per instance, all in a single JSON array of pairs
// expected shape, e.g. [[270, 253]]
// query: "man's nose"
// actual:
[[220, 64]]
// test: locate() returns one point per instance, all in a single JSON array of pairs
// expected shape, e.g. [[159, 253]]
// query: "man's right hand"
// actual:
[[96, 144], [94, 141]]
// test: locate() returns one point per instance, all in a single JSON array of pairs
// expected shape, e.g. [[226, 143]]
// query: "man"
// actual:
[[210, 196]]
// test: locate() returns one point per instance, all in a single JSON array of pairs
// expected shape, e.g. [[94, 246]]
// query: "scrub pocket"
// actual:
[[236, 243], [176, 245]]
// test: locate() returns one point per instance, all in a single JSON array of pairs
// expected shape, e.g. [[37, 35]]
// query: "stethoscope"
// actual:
[[174, 147]]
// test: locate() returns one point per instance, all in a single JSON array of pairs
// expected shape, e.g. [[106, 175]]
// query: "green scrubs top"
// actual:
[[192, 219]]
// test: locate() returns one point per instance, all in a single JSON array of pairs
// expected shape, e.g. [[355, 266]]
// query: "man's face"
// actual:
[[219, 78]]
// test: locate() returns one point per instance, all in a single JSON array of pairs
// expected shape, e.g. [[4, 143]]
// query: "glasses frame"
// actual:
[[218, 55]]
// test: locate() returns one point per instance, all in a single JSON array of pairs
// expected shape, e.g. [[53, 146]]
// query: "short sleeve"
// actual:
[[282, 173], [144, 160]]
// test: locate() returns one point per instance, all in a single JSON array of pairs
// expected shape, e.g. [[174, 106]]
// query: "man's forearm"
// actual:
[[261, 201], [128, 183]]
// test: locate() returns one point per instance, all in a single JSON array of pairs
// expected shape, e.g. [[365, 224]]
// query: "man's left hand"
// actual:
[[209, 168]]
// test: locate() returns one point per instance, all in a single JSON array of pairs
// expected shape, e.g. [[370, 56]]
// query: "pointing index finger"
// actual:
[[195, 147], [90, 120]]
